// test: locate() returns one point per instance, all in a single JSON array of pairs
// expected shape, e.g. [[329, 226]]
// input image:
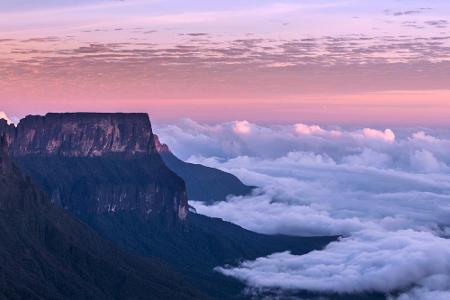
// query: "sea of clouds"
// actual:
[[387, 191]]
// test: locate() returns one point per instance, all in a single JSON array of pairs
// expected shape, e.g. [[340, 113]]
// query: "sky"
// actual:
[[324, 61]]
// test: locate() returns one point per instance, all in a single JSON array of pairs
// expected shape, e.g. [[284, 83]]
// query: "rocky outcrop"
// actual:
[[203, 183], [92, 163], [3, 154], [160, 147], [7, 130]]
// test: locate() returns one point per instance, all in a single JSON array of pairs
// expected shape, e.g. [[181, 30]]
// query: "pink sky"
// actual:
[[317, 61]]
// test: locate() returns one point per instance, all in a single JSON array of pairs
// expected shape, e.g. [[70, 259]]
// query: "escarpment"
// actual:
[[98, 163]]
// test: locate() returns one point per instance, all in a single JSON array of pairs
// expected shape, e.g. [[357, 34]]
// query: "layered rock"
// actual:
[[85, 135], [92, 163]]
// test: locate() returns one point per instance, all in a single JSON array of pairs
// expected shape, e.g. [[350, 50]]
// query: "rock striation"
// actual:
[[98, 163], [84, 135]]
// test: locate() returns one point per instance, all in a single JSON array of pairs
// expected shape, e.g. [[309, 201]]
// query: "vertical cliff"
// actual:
[[93, 163], [85, 135], [8, 131]]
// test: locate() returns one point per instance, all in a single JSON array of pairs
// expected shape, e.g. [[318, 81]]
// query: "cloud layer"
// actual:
[[366, 261], [385, 190]]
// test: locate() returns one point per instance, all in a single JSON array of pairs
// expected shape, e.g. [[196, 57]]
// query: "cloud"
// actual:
[[425, 161], [189, 138], [387, 135], [310, 194], [368, 261], [385, 190], [437, 23], [218, 66], [242, 127], [5, 117], [307, 130]]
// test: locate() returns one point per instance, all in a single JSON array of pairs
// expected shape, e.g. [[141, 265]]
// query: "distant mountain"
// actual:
[[203, 183], [47, 254], [105, 169]]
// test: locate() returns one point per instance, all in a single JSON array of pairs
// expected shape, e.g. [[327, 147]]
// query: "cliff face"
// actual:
[[8, 131], [92, 164], [84, 135], [160, 147]]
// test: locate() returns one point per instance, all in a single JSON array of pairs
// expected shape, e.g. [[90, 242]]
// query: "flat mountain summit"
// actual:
[[108, 172]]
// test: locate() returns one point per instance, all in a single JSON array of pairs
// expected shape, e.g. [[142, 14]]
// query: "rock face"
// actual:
[[85, 135], [160, 147], [46, 254], [8, 131], [91, 164], [203, 183]]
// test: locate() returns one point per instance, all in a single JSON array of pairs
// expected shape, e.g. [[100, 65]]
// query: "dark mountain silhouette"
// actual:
[[105, 169], [47, 254], [203, 183]]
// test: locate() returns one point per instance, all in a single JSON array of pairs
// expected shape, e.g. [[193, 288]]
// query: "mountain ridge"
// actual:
[[203, 183]]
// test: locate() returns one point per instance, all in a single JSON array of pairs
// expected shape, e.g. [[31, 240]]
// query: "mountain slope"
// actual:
[[203, 244], [203, 183], [46, 254]]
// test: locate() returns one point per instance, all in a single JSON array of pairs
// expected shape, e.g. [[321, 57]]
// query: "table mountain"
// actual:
[[91, 163], [105, 170]]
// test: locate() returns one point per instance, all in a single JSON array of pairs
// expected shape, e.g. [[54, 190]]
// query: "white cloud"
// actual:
[[385, 190], [242, 127], [307, 130], [425, 161], [310, 194], [368, 261], [5, 117], [387, 135]]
